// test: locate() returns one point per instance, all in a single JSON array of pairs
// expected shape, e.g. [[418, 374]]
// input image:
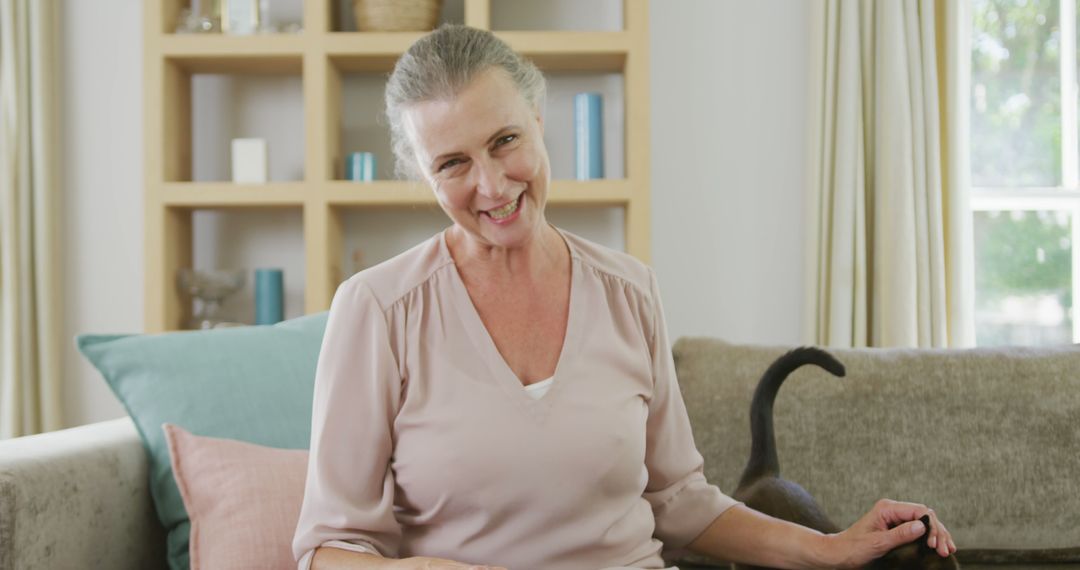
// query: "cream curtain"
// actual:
[[888, 245], [30, 284]]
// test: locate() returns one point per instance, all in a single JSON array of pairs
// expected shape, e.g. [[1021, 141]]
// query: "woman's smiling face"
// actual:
[[483, 153]]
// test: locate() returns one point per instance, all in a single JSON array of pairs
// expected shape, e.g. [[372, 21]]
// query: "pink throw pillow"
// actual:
[[243, 499]]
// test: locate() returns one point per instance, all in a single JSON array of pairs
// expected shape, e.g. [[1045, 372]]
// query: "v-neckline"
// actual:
[[485, 344]]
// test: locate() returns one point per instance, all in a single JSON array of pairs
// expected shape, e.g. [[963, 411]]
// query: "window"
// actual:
[[1025, 171]]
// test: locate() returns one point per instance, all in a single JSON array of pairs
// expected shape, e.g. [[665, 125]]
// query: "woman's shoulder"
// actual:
[[610, 263], [392, 279]]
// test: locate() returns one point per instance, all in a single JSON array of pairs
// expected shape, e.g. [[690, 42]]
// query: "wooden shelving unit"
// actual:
[[320, 56]]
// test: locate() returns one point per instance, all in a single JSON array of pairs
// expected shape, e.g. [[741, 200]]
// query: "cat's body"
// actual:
[[761, 487]]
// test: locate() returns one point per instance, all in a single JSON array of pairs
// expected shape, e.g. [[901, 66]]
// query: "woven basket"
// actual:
[[396, 15]]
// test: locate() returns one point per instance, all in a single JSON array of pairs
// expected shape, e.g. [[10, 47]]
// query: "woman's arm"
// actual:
[[744, 535], [328, 558], [340, 559], [357, 392]]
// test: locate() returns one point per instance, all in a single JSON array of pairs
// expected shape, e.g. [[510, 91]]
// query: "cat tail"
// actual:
[[763, 460]]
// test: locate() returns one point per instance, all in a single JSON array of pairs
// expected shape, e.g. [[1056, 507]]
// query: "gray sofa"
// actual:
[[990, 438]]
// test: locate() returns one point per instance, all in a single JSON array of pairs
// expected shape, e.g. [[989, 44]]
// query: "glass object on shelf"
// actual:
[[210, 287], [1016, 93], [191, 23], [1023, 278], [282, 28], [239, 17], [204, 16], [186, 22]]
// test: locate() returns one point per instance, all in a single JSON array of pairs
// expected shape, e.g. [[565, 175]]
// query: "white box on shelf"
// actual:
[[249, 161]]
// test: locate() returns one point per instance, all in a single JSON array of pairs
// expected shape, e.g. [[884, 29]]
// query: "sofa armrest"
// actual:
[[78, 498]]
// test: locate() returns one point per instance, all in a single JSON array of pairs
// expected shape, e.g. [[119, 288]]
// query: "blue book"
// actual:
[[588, 136]]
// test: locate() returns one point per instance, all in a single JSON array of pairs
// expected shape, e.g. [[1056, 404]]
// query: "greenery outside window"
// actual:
[[1025, 171]]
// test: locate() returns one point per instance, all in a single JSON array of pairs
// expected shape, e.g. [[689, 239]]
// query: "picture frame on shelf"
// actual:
[[240, 17]]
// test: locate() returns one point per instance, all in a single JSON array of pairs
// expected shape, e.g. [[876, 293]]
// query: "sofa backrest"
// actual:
[[990, 438]]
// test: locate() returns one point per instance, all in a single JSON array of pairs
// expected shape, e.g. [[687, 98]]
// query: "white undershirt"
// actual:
[[538, 389]]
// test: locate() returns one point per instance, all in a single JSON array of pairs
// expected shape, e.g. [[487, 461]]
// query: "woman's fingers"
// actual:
[[897, 512], [905, 533], [941, 540]]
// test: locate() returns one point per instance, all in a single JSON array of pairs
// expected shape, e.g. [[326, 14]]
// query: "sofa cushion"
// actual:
[[990, 438], [252, 384], [243, 499]]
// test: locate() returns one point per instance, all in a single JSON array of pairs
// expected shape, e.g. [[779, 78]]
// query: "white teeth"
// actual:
[[505, 211]]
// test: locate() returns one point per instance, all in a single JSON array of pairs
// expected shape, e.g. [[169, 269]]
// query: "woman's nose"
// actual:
[[490, 181]]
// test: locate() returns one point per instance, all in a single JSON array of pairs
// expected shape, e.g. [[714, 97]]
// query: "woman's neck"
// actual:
[[531, 262]]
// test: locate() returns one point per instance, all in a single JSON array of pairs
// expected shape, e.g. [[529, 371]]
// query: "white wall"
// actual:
[[101, 114], [727, 140]]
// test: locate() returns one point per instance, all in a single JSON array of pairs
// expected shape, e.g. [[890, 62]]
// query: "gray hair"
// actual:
[[440, 65]]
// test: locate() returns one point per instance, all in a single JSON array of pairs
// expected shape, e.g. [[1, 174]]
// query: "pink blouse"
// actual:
[[424, 442]]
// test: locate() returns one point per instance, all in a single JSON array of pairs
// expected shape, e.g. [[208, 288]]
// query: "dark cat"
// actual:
[[761, 487]]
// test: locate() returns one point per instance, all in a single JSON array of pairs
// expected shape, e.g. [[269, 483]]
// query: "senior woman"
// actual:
[[503, 394]]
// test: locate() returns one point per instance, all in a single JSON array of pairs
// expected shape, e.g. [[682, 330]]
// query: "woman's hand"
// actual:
[[426, 563], [888, 525]]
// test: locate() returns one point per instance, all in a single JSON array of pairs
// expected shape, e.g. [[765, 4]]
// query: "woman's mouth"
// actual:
[[505, 213]]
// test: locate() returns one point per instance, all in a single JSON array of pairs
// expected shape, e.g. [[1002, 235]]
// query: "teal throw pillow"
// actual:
[[251, 384]]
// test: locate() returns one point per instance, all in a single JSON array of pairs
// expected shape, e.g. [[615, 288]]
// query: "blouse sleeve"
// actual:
[[684, 504], [349, 492]]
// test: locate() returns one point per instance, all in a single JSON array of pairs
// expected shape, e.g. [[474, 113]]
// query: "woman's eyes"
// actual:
[[450, 163], [503, 140]]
